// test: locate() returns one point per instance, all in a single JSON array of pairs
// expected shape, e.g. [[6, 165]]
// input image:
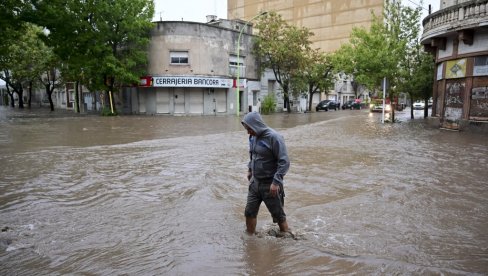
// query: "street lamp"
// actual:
[[238, 61]]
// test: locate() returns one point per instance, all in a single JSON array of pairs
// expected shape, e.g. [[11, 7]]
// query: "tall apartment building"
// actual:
[[331, 21]]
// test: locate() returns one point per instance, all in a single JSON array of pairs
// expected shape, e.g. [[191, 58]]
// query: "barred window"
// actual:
[[179, 57], [234, 61]]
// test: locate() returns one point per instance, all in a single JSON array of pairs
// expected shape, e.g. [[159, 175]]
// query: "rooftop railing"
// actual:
[[465, 15]]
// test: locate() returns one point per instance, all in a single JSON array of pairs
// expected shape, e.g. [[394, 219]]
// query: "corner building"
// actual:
[[457, 35], [193, 67]]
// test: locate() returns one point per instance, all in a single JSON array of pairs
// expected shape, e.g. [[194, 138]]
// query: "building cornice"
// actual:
[[455, 19]]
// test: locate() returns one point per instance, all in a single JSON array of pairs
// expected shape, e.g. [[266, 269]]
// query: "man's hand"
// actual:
[[249, 175], [274, 189]]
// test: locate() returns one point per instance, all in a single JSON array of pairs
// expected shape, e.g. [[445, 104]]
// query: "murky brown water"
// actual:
[[165, 196]]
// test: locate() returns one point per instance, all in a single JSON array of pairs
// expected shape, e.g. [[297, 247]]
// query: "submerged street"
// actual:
[[165, 195]]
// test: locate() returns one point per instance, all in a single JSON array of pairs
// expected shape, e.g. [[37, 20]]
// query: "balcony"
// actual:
[[455, 19]]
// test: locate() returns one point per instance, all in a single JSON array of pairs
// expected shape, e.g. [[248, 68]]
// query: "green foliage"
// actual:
[[381, 50], [317, 75], [282, 48], [422, 78], [387, 49], [106, 111], [367, 56], [24, 60], [102, 43], [11, 23], [269, 104], [416, 66]]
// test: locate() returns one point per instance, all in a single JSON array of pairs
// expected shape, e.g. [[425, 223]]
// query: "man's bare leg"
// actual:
[[251, 225], [283, 226]]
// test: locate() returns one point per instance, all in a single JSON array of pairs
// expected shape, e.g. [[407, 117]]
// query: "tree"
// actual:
[[282, 47], [416, 66], [23, 61], [317, 74], [355, 88], [51, 78], [422, 82], [5, 76], [382, 51], [12, 28], [102, 43], [366, 56], [418, 82], [11, 22]]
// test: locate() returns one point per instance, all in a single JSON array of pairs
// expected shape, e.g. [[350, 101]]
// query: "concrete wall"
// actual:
[[448, 3], [480, 43], [209, 48]]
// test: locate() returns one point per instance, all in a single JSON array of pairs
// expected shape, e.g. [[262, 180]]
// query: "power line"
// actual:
[[418, 5]]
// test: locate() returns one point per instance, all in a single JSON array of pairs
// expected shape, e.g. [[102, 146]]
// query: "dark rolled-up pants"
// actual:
[[259, 192]]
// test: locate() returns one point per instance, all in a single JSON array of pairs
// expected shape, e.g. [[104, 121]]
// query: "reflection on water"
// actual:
[[165, 195]]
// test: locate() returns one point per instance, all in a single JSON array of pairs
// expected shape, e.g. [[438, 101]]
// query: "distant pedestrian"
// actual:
[[258, 105]]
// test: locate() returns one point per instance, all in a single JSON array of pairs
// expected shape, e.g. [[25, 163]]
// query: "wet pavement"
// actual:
[[164, 195]]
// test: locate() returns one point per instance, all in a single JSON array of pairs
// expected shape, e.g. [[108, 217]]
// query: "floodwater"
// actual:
[[162, 195]]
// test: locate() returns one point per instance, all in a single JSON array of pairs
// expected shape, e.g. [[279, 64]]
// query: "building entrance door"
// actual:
[[179, 100]]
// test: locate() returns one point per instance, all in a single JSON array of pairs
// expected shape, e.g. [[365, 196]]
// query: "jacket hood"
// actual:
[[254, 121]]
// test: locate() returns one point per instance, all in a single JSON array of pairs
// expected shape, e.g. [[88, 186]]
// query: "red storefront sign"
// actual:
[[146, 81]]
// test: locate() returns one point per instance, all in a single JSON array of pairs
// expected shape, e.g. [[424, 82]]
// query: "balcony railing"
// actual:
[[460, 16]]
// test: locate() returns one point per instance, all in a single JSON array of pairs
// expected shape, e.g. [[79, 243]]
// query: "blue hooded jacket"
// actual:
[[269, 157]]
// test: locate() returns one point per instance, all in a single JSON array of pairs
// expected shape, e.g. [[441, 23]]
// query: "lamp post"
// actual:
[[238, 61]]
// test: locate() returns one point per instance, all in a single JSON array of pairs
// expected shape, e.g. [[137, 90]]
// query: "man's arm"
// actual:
[[283, 162], [249, 170]]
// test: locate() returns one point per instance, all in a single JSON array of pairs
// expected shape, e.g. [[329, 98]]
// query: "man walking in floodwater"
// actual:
[[266, 169]]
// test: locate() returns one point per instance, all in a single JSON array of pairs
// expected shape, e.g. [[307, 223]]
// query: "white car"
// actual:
[[418, 105], [378, 107]]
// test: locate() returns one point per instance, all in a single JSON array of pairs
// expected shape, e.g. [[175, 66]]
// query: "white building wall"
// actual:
[[480, 44], [448, 51], [448, 3]]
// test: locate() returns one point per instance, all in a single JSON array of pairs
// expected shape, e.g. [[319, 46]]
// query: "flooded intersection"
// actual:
[[165, 195]]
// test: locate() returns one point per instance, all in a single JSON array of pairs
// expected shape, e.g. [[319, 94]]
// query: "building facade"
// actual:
[[331, 21], [457, 35], [193, 70]]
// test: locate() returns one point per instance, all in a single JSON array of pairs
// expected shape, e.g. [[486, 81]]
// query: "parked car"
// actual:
[[418, 105], [377, 106], [326, 105], [352, 104]]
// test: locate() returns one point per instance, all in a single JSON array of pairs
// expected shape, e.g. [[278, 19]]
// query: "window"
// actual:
[[233, 61], [236, 65], [179, 57]]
